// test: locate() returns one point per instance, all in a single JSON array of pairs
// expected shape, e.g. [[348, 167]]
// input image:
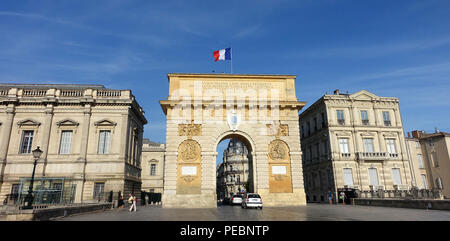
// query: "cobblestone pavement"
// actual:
[[312, 212]]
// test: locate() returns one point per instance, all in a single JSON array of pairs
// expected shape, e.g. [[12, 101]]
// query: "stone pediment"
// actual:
[[105, 122], [364, 95], [67, 122], [28, 122]]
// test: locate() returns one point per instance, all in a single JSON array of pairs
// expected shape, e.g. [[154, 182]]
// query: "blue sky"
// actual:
[[391, 48]]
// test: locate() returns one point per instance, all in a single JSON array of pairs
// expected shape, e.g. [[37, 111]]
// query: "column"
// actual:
[[381, 142], [84, 146], [5, 138], [46, 135]]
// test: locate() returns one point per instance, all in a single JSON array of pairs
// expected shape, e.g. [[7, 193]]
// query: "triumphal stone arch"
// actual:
[[259, 110]]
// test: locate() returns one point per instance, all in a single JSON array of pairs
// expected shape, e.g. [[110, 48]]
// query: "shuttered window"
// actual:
[[348, 177], [424, 181], [396, 176], [103, 142], [373, 176], [368, 144], [419, 160], [66, 142]]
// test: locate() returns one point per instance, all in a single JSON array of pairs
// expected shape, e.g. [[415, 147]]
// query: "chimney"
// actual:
[[436, 130], [336, 92], [409, 135], [416, 134]]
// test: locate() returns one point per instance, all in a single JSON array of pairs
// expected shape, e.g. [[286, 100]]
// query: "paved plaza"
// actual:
[[312, 212]]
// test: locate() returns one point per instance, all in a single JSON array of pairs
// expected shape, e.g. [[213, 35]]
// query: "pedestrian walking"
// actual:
[[132, 201], [330, 196], [342, 197]]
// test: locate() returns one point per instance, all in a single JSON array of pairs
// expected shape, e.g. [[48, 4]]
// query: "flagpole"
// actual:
[[231, 64]]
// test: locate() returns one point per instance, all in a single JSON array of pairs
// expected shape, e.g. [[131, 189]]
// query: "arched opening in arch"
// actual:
[[235, 168]]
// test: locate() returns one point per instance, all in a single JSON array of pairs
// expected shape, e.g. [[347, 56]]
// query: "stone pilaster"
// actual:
[[46, 130]]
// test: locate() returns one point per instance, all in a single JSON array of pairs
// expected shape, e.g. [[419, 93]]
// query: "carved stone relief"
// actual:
[[278, 150], [190, 129], [189, 150]]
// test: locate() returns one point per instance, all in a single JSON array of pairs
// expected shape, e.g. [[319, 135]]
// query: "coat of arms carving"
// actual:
[[278, 150], [189, 150]]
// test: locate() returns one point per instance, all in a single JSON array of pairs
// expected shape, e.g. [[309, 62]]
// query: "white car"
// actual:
[[236, 199], [252, 200]]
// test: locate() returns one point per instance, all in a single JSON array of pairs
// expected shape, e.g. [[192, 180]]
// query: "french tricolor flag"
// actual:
[[223, 54]]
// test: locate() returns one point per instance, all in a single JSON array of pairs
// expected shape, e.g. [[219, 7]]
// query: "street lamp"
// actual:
[[29, 198]]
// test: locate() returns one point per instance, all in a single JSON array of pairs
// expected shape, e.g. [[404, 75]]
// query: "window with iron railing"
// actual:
[[364, 118], [386, 118], [340, 117]]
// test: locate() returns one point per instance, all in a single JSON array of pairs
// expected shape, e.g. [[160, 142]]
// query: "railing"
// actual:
[[3, 92], [34, 93], [365, 122], [108, 93], [402, 194], [341, 122], [71, 93], [346, 155], [387, 123], [372, 155]]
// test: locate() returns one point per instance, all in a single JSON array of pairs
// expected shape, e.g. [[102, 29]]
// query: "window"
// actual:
[[424, 181], [439, 183], [419, 160], [386, 118], [340, 117], [310, 153], [343, 145], [368, 144], [315, 124], [309, 128], [152, 169], [99, 188], [238, 179], [417, 144], [373, 177], [318, 150], [27, 141], [66, 141], [323, 120], [434, 159], [391, 146], [364, 117], [103, 142], [396, 176], [325, 148], [348, 177]]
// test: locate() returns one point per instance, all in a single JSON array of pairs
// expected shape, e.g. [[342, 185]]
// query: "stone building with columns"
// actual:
[[353, 141], [91, 137], [152, 166]]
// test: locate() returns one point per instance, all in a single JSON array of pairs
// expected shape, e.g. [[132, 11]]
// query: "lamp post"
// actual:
[[29, 198]]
